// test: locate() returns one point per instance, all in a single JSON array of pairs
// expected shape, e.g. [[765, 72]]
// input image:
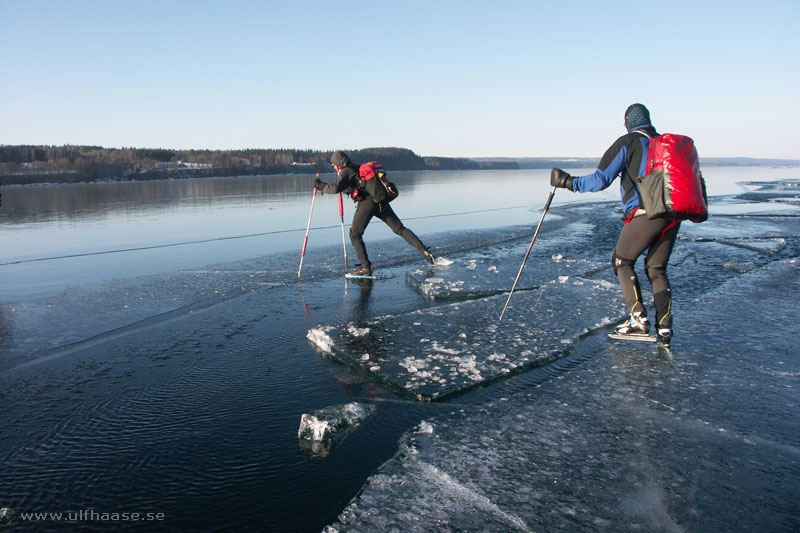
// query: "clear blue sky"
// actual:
[[460, 78]]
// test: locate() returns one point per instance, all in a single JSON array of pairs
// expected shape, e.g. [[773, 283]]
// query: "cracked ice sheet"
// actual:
[[629, 441], [436, 353], [479, 275]]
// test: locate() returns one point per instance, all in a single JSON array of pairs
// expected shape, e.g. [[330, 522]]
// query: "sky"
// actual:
[[457, 79]]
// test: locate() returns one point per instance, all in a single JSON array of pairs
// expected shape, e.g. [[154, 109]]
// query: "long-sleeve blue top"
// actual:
[[626, 158]]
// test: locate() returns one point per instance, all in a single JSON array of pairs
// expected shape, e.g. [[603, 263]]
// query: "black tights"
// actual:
[[658, 237], [367, 209]]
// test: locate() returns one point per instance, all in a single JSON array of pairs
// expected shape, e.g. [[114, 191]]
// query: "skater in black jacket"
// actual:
[[627, 158], [366, 208]]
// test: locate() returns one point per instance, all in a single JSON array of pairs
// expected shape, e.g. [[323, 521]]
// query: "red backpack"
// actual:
[[373, 180], [673, 186]]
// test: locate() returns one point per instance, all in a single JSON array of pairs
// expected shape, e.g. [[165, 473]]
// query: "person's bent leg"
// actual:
[[387, 214]]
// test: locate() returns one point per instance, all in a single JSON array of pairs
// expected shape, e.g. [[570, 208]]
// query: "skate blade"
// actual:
[[642, 338]]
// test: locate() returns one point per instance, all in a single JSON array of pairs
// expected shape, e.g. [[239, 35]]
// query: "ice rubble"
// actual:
[[482, 276], [457, 279]]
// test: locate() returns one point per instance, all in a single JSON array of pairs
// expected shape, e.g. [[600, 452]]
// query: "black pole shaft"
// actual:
[[546, 207]]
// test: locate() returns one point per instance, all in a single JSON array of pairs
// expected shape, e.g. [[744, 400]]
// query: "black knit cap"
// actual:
[[636, 116], [340, 159]]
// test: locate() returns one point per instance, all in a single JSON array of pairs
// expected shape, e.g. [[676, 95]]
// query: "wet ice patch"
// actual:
[[488, 275]]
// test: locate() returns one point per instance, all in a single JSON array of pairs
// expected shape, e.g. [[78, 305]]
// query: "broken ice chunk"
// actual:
[[320, 337], [320, 431]]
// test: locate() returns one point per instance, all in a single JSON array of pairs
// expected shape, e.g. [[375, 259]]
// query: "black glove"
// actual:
[[559, 178], [319, 184]]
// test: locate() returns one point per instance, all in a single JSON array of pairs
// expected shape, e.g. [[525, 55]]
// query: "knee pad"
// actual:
[[355, 235], [618, 262], [654, 271]]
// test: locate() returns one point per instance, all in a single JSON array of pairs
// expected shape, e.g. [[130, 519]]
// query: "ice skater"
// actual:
[[366, 208], [627, 157]]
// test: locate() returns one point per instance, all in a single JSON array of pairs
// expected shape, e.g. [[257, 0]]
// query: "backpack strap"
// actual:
[[651, 151]]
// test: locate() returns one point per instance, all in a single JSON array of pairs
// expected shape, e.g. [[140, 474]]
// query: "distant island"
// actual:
[[28, 164]]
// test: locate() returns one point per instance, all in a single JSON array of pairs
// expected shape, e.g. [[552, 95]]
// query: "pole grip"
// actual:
[[341, 206]]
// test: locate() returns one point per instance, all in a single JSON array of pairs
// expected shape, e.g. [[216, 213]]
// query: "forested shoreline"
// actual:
[[29, 164], [26, 164]]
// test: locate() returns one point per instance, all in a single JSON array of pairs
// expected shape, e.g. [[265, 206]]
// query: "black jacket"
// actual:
[[347, 183]]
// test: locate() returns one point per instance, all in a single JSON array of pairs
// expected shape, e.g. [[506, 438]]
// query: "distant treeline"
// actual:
[[68, 164], [26, 164]]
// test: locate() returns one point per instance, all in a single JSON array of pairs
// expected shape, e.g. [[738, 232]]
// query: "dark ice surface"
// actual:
[[182, 393]]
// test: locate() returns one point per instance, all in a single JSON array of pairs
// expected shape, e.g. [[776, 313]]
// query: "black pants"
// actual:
[[658, 237], [367, 209]]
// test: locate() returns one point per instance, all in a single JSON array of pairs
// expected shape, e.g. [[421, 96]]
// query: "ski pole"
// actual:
[[308, 227], [546, 207], [341, 215]]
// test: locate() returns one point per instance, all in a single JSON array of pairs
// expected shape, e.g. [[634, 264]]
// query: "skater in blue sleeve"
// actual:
[[366, 208], [626, 159]]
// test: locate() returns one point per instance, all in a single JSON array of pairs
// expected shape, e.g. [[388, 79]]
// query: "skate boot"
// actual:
[[429, 256], [362, 270], [664, 336], [636, 326]]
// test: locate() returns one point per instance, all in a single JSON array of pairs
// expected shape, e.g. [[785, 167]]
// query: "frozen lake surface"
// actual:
[[142, 370]]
